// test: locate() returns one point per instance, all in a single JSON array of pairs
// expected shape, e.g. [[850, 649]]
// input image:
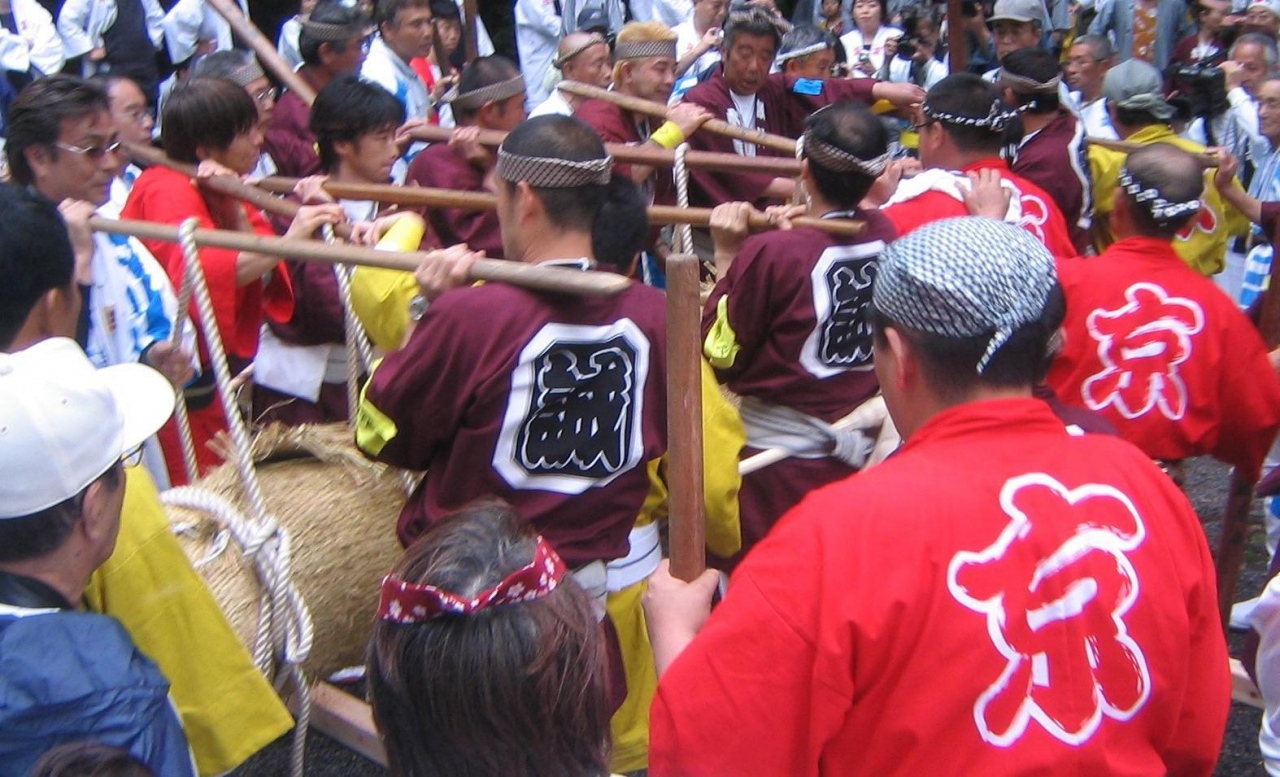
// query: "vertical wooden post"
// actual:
[[470, 33], [684, 418], [957, 41]]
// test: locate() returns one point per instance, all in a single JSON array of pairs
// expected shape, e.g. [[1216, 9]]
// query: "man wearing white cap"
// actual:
[[1001, 596], [66, 429], [1263, 16]]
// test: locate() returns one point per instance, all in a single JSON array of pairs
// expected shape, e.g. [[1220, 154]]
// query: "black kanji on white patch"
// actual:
[[845, 339], [580, 416]]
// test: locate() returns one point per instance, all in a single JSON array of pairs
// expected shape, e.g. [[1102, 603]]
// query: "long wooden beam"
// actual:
[[687, 520], [1208, 161], [647, 155], [659, 111], [264, 49], [554, 279]]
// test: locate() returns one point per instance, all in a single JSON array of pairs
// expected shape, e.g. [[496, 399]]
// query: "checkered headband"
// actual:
[[551, 173], [1150, 199], [594, 40], [838, 160], [965, 277], [640, 49], [476, 98], [325, 31]]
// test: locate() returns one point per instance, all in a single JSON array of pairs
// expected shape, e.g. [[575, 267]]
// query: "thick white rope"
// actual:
[[359, 351], [186, 232], [266, 546], [684, 232]]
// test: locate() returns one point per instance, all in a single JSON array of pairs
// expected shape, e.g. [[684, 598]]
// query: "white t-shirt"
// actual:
[[687, 38]]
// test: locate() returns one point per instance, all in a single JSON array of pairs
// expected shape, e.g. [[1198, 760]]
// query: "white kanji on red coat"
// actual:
[[1055, 587], [1141, 344]]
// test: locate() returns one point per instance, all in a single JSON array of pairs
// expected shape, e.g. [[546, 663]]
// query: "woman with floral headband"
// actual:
[[486, 658]]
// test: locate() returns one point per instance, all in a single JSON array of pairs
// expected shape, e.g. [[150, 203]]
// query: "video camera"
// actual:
[[1201, 89]]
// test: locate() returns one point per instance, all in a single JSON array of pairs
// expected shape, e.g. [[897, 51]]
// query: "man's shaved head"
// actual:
[[575, 41], [1176, 177], [584, 56]]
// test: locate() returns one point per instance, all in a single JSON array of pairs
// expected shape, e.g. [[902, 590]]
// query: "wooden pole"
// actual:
[[684, 418], [470, 32], [1235, 517], [1207, 161], [264, 49], [553, 279], [424, 197], [659, 111], [957, 41], [647, 155]]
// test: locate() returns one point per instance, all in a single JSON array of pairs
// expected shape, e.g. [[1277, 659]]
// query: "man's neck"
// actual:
[[1034, 122], [558, 245], [931, 405], [52, 570], [317, 77], [344, 174], [1091, 93], [959, 160]]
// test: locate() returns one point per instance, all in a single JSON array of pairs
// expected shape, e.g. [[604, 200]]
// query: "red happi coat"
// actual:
[[1040, 215], [1164, 355], [796, 302], [999, 597], [780, 111], [168, 197], [555, 404], [440, 166]]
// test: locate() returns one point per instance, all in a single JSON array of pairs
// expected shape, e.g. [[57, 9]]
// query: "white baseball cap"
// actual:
[[63, 422], [1271, 5]]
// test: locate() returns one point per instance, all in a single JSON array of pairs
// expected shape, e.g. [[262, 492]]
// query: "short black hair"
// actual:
[[223, 64], [347, 108], [750, 21], [37, 113], [39, 534], [562, 137], [968, 96], [621, 228], [328, 12], [951, 364], [482, 72], [850, 127], [205, 111], [1175, 174], [1041, 66], [445, 9], [387, 10], [35, 256]]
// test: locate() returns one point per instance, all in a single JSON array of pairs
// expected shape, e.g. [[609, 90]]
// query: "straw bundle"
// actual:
[[340, 511]]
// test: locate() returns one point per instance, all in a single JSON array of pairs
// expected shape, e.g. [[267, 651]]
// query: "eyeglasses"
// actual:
[[93, 152], [138, 116], [266, 95], [132, 457]]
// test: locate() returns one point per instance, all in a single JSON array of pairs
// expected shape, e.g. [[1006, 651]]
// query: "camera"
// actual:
[[1202, 87]]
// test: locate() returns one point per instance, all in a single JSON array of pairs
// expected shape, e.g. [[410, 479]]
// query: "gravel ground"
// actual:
[[1206, 484]]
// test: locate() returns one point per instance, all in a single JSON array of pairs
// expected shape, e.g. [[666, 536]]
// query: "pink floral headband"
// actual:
[[408, 603]]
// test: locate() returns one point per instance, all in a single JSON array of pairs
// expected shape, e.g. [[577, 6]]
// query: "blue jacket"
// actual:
[[68, 676]]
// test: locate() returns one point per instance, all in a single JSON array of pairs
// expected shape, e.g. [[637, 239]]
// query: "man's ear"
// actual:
[[905, 371], [527, 205], [100, 516]]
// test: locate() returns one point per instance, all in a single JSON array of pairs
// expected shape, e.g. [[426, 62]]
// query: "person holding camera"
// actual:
[[914, 61]]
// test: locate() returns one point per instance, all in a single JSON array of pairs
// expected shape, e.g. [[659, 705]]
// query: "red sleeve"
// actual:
[[749, 695], [1250, 405], [928, 207]]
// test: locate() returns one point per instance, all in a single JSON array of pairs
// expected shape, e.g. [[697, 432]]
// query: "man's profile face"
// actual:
[[747, 62], [1260, 19], [1083, 70], [129, 112], [815, 66], [591, 66], [79, 166], [372, 155], [651, 78], [409, 33], [1268, 95], [1253, 62]]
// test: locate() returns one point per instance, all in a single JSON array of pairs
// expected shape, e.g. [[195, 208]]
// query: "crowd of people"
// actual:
[[1039, 264]]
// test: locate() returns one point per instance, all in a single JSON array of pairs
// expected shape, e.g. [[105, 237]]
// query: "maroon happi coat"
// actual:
[[289, 139], [440, 166], [553, 403], [615, 125], [780, 110], [1056, 160], [797, 302]]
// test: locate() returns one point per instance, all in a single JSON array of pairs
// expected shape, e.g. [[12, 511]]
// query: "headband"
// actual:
[[1162, 210], [561, 60], [478, 97], [1025, 85], [409, 603], [804, 52], [640, 49], [756, 15], [838, 160], [550, 173], [246, 74], [324, 31], [996, 119]]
